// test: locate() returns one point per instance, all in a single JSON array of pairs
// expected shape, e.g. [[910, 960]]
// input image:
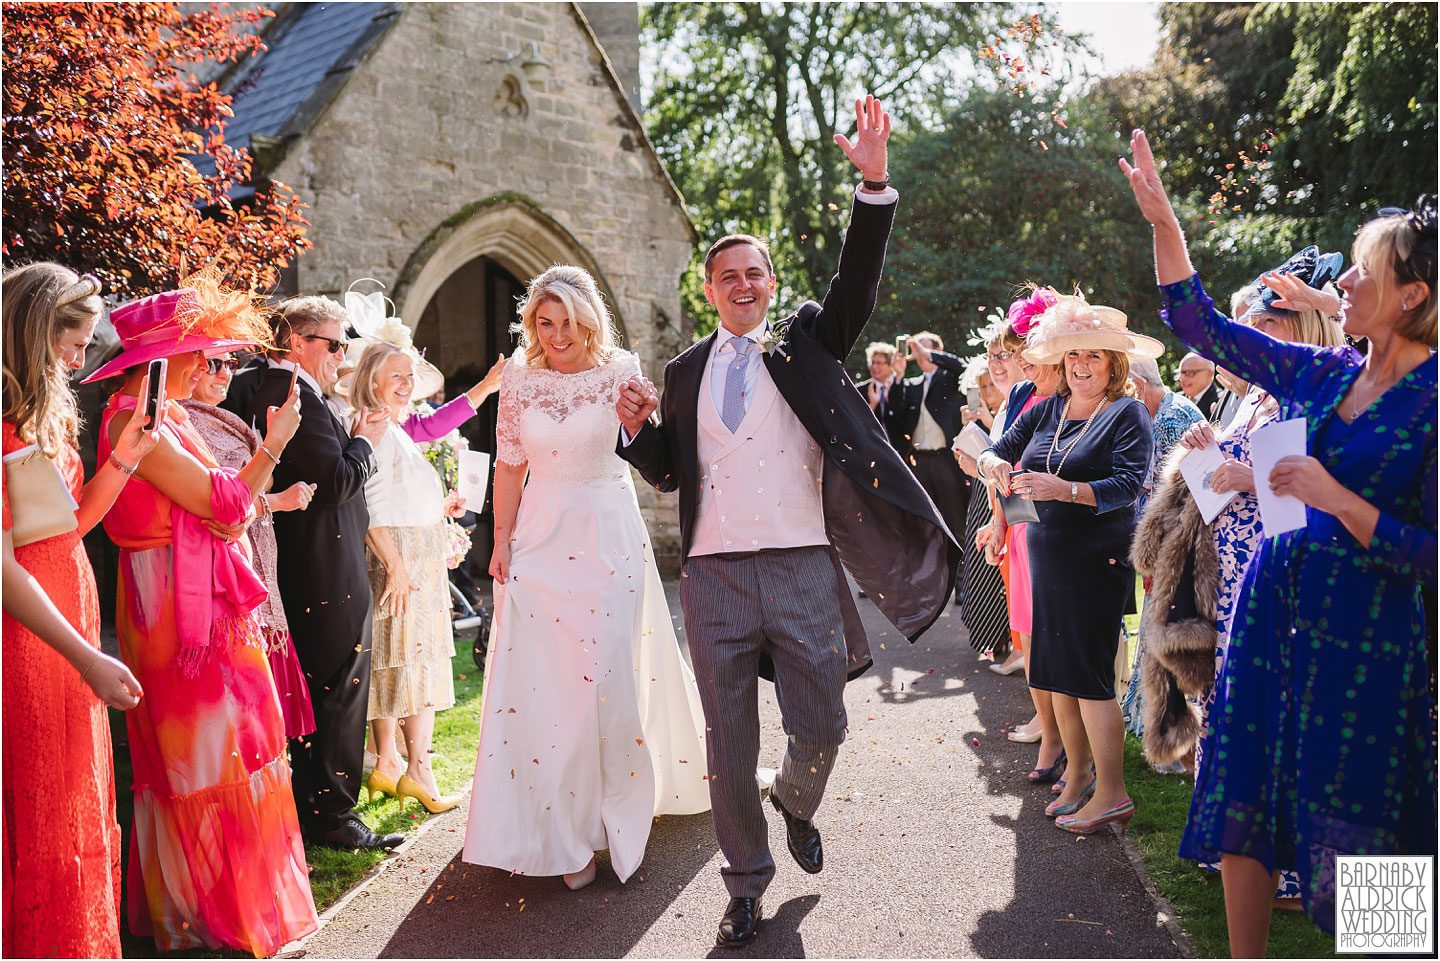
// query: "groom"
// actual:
[[784, 475]]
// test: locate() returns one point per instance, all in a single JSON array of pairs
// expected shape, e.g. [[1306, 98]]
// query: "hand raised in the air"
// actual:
[[872, 133]]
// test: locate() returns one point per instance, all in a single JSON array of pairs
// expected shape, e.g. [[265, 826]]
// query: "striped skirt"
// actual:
[[984, 609]]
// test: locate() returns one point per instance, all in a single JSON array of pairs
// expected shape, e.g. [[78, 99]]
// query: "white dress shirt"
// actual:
[[717, 368]]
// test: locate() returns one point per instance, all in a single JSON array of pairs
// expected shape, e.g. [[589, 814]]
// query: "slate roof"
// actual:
[[312, 47]]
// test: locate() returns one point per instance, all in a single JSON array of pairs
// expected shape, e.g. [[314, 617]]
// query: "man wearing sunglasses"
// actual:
[[321, 567]]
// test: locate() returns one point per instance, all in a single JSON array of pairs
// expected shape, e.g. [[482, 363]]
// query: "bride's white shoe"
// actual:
[[582, 877]]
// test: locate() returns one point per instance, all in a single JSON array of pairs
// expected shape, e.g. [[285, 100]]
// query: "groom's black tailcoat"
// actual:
[[882, 525]]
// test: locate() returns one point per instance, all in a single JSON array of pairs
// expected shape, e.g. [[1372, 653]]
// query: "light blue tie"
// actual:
[[732, 411]]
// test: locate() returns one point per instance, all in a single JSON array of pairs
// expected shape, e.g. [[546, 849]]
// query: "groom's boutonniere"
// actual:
[[773, 338]]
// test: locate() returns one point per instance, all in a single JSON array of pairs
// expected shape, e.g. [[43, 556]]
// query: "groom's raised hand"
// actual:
[[637, 400], [872, 132]]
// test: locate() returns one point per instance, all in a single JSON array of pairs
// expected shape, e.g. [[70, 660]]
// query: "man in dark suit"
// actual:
[[321, 569], [927, 419], [884, 387], [1197, 383], [784, 474]]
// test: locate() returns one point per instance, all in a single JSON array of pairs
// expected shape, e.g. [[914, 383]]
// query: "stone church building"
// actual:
[[452, 151]]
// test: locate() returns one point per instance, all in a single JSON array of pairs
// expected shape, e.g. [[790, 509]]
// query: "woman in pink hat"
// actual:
[[216, 857]]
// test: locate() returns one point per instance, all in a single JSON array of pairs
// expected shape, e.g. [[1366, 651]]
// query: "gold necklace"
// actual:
[[1055, 440]]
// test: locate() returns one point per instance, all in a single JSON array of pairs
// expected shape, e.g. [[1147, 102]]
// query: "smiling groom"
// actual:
[[784, 476]]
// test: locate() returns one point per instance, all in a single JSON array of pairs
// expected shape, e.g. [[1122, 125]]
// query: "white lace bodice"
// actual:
[[565, 425]]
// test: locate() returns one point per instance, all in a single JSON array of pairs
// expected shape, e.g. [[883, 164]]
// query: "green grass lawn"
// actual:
[[333, 872], [1162, 804]]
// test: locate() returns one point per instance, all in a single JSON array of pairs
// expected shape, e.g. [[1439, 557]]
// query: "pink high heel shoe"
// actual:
[[1120, 814]]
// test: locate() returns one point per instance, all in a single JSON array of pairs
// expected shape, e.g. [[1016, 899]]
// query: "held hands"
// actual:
[[500, 560], [1295, 294], [454, 504], [282, 422], [112, 681], [1145, 181], [634, 405], [1040, 486], [296, 497], [872, 131]]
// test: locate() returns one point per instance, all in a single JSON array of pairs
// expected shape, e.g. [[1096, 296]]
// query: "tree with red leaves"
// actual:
[[102, 115]]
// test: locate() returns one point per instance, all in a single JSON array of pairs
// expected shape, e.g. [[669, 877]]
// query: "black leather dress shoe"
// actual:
[[354, 834], [803, 838], [740, 924]]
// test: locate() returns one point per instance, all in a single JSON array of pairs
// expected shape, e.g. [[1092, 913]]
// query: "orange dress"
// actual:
[[216, 857], [61, 843]]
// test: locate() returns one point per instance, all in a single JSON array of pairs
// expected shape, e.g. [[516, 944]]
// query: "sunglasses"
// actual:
[[215, 364], [336, 346]]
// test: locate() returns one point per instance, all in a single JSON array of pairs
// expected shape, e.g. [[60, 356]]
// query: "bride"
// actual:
[[590, 720]]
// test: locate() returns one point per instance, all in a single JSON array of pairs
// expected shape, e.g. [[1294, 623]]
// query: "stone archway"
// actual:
[[510, 229]]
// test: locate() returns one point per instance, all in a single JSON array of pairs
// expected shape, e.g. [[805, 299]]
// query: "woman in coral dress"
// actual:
[[61, 843], [216, 857]]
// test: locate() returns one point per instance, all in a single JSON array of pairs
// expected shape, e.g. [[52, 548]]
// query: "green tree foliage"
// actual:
[[744, 118], [1008, 190]]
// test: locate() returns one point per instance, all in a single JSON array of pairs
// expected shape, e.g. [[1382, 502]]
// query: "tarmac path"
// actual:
[[935, 846]]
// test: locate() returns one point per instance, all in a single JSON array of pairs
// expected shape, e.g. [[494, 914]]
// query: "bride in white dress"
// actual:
[[590, 719]]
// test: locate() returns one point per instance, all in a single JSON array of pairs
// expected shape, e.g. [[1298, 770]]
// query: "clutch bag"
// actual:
[[41, 505], [1017, 510]]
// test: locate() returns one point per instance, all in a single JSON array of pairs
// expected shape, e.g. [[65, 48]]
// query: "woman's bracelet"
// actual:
[[85, 674], [270, 454], [122, 468]]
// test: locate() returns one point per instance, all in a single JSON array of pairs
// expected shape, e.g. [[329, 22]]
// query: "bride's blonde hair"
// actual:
[[575, 290]]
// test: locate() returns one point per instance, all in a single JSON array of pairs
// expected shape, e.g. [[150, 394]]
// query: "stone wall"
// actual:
[[441, 117], [618, 27]]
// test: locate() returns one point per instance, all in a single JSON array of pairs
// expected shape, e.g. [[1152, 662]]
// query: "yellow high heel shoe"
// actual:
[[409, 787], [378, 783]]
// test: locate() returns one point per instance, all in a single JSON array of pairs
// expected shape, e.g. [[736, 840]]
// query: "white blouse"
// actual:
[[405, 490]]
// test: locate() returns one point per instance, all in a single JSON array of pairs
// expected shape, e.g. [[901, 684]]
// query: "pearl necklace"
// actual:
[[1055, 440]]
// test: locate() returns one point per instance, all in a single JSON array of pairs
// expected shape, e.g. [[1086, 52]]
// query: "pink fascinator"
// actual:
[[1024, 313]]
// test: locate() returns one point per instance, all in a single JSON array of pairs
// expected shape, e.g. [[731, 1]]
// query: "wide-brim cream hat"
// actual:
[[1075, 324]]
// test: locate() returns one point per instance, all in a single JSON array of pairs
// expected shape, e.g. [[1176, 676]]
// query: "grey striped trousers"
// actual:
[[779, 603]]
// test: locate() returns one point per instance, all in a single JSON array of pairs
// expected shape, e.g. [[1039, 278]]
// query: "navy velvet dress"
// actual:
[[1319, 742], [1080, 571]]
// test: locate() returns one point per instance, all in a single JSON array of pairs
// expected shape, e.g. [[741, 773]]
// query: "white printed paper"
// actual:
[[474, 478], [972, 440], [1267, 446], [1197, 467]]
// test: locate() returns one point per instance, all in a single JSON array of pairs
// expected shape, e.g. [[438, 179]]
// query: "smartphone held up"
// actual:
[[154, 406]]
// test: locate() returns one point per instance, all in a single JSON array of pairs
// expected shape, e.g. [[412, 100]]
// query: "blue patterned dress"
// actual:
[[1319, 741]]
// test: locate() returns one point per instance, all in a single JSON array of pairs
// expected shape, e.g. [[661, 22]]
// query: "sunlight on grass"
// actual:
[[1162, 803]]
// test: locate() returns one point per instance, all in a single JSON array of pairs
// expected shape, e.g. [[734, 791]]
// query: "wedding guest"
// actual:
[[411, 642], [1171, 414], [884, 388], [593, 724], [1331, 779], [928, 420], [1008, 545], [983, 609], [1197, 383], [1083, 454], [321, 569], [233, 443], [207, 742], [61, 842]]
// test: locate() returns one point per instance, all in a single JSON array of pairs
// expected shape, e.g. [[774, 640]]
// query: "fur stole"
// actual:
[[1174, 547]]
